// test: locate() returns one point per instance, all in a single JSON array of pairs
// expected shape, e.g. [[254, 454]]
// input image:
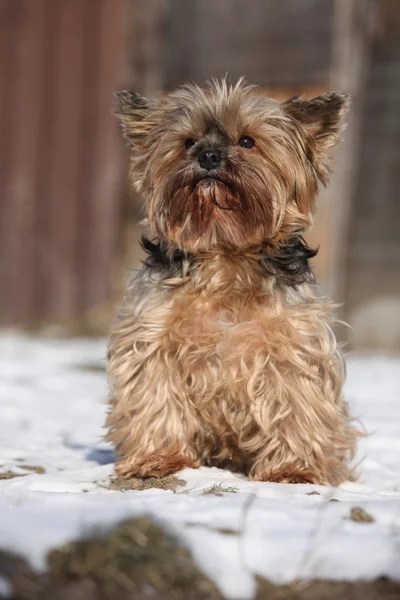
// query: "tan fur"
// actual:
[[220, 364]]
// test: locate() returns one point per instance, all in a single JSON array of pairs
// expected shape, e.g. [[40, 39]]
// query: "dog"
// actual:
[[221, 353]]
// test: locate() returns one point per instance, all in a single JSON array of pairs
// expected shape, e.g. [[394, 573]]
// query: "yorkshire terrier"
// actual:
[[221, 353]]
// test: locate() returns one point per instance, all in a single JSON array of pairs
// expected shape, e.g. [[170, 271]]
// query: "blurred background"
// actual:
[[69, 224]]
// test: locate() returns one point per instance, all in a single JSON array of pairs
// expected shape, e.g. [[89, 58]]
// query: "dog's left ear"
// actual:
[[132, 111], [321, 117]]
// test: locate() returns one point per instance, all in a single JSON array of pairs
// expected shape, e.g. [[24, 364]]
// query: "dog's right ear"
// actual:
[[132, 111]]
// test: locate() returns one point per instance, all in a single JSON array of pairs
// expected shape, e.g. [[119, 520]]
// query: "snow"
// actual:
[[52, 401]]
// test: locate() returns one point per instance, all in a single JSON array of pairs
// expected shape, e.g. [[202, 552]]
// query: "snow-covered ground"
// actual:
[[52, 395]]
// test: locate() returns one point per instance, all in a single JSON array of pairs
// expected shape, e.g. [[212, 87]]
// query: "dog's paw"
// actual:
[[290, 475], [292, 478], [154, 466]]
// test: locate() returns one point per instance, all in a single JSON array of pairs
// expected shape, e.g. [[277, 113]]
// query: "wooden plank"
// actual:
[[10, 16], [374, 249], [46, 118], [103, 175], [88, 135], [8, 23], [18, 223], [352, 30], [63, 163], [146, 49], [269, 42]]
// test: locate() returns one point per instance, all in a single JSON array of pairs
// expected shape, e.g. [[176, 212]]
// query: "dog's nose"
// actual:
[[209, 159]]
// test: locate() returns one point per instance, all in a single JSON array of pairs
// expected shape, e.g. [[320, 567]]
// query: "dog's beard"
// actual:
[[200, 201], [203, 212]]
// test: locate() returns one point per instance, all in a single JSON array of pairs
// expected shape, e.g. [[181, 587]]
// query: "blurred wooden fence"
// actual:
[[59, 64], [62, 212], [373, 297]]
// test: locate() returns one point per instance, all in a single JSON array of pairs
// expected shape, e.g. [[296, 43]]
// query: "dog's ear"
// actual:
[[321, 117], [132, 111]]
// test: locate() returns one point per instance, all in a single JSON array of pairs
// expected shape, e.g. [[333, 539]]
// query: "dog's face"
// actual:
[[227, 166]]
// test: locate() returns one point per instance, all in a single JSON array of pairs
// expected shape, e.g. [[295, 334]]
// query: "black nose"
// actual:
[[209, 159]]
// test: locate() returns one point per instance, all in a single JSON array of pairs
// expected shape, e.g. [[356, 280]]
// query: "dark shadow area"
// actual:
[[102, 456]]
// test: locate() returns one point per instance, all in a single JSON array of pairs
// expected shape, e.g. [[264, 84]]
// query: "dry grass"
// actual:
[[218, 490], [34, 469], [10, 475], [170, 482]]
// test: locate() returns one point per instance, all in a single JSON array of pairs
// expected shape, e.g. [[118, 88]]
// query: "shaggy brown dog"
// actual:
[[221, 353]]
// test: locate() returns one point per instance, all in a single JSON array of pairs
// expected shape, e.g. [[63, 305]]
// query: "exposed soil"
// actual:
[[359, 515], [133, 562], [138, 561], [379, 589]]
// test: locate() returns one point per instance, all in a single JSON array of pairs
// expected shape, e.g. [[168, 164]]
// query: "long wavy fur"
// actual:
[[221, 353]]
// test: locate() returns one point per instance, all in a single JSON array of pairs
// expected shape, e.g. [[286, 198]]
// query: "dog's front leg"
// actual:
[[305, 434], [150, 421]]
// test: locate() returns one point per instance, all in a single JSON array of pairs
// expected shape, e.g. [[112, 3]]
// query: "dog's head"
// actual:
[[226, 166]]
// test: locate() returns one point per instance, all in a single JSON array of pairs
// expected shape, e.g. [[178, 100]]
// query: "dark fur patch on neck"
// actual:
[[161, 258], [289, 263]]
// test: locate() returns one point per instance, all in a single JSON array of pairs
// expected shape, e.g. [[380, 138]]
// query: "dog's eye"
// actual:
[[189, 143], [246, 142]]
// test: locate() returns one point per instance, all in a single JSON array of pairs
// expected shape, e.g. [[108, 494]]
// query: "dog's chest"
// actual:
[[221, 329], [222, 317]]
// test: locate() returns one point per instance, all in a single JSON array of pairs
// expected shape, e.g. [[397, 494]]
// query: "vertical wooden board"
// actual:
[[18, 218], [6, 32], [103, 176], [146, 52], [267, 41], [46, 119], [88, 136], [61, 187], [350, 63], [373, 283], [10, 16]]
